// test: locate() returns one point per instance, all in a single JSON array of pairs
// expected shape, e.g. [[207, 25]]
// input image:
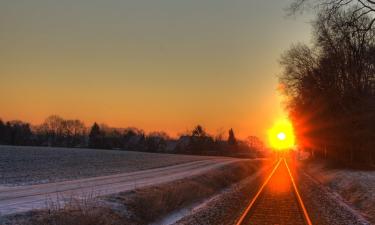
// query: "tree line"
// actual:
[[331, 84], [58, 132]]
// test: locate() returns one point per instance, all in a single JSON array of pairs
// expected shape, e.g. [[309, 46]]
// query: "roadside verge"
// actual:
[[140, 206]]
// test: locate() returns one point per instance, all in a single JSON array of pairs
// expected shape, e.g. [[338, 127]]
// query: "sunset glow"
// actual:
[[160, 67], [281, 135], [120, 101]]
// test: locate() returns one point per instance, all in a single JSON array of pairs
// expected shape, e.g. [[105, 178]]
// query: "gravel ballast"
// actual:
[[323, 206]]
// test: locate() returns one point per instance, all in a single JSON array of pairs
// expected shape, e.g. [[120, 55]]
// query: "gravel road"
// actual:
[[24, 198]]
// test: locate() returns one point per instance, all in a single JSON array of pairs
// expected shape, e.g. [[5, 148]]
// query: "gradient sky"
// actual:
[[154, 64]]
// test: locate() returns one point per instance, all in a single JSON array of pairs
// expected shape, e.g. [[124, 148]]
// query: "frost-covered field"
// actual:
[[34, 165], [356, 188]]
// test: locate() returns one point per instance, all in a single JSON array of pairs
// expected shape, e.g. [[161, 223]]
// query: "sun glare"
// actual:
[[281, 135]]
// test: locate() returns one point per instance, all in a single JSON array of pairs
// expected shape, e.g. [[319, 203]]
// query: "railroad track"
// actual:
[[277, 201]]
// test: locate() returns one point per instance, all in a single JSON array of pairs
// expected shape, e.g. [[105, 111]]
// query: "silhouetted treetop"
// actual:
[[231, 137], [198, 131], [95, 137], [57, 131]]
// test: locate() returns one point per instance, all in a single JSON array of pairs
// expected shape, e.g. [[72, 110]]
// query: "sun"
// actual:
[[281, 135]]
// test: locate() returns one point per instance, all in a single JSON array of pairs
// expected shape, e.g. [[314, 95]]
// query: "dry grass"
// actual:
[[141, 206], [85, 211], [150, 204], [356, 187]]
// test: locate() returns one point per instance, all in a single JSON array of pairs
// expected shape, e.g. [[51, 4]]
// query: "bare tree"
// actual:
[[357, 8], [331, 86]]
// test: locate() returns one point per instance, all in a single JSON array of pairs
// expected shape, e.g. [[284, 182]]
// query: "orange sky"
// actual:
[[157, 65]]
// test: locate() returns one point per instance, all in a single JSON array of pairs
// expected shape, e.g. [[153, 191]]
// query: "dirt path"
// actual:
[[25, 198]]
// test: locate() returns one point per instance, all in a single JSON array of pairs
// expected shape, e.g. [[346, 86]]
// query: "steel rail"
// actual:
[[247, 210], [302, 205], [297, 194]]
